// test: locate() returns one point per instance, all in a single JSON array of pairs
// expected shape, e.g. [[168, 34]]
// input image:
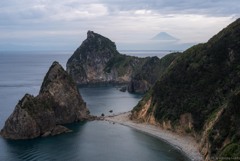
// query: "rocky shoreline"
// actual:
[[186, 144]]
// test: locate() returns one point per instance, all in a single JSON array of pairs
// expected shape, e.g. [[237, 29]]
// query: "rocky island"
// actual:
[[97, 61], [58, 102]]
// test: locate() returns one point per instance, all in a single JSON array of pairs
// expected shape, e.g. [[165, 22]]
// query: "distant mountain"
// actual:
[[164, 37]]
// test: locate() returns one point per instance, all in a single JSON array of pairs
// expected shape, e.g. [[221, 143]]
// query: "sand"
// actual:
[[186, 144]]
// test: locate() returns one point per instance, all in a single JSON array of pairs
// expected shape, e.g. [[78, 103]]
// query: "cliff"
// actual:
[[59, 102], [198, 94], [97, 61], [88, 62], [153, 68]]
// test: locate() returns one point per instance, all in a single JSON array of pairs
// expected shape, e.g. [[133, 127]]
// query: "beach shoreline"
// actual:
[[186, 144]]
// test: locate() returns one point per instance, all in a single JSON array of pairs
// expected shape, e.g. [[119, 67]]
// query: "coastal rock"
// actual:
[[97, 61], [58, 102], [69, 105], [198, 94], [88, 62], [59, 129], [123, 89], [138, 85]]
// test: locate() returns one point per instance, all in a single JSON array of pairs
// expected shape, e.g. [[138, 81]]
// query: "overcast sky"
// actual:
[[63, 24]]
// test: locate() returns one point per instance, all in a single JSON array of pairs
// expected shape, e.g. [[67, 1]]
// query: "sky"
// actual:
[[131, 24]]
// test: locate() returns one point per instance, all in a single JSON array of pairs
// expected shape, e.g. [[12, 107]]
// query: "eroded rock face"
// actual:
[[97, 61], [58, 102], [70, 106], [88, 62], [138, 86]]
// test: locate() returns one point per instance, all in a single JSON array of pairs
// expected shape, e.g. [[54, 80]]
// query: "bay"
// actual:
[[90, 141]]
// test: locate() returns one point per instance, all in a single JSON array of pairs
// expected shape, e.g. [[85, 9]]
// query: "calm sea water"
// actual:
[[90, 141], [145, 53]]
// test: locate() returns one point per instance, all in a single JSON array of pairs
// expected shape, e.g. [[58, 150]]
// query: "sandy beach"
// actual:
[[186, 144]]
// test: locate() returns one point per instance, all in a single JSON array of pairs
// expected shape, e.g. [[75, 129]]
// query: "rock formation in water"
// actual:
[[59, 102], [97, 61], [199, 94], [87, 64]]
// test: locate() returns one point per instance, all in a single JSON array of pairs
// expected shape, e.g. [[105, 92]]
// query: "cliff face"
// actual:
[[197, 94], [63, 89], [97, 61], [88, 62], [153, 68], [58, 102]]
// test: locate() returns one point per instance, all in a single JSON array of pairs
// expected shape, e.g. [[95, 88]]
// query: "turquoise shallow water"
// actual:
[[89, 141]]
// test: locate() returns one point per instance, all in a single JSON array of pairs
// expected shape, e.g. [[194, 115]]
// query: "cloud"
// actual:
[[203, 7], [86, 11], [124, 21]]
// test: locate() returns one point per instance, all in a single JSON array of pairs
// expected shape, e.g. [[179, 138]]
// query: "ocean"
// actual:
[[23, 72]]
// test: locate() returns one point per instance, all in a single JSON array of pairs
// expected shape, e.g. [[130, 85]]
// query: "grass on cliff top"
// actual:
[[122, 63], [231, 152]]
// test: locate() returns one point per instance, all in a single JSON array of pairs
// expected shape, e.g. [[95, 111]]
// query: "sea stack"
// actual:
[[59, 102], [88, 63], [97, 61]]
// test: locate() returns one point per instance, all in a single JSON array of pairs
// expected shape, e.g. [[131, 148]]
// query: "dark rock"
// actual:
[[58, 102], [31, 117], [123, 89], [102, 115], [88, 62], [46, 134], [92, 118], [70, 106], [59, 129], [140, 86], [111, 111]]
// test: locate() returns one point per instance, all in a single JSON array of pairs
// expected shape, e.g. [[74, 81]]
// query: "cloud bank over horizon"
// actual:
[[58, 25]]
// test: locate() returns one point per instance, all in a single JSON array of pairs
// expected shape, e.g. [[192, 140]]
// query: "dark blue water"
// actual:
[[108, 98], [90, 141]]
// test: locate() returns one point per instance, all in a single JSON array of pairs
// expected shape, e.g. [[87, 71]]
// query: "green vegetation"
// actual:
[[230, 152], [143, 101], [154, 67], [198, 81], [122, 63], [227, 126], [151, 70], [203, 80]]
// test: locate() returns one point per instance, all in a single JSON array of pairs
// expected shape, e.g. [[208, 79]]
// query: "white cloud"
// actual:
[[142, 12], [85, 11], [123, 21]]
